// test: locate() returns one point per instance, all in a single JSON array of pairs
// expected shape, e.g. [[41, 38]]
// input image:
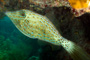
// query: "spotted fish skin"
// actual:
[[35, 25]]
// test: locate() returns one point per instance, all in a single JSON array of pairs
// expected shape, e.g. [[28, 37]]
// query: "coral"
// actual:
[[4, 46], [79, 4], [50, 3], [11, 51], [81, 7]]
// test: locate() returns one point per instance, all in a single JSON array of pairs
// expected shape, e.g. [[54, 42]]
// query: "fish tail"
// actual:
[[75, 51]]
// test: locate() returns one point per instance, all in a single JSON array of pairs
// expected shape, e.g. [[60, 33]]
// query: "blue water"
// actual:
[[13, 44]]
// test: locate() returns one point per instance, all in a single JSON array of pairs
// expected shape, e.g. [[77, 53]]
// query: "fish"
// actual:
[[34, 25]]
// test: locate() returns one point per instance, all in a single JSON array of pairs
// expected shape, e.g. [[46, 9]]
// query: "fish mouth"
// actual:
[[6, 13], [18, 13]]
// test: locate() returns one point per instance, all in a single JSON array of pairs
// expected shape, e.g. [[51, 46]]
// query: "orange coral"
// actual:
[[79, 4]]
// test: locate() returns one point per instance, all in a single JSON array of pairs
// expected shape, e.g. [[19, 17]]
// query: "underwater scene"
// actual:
[[44, 30]]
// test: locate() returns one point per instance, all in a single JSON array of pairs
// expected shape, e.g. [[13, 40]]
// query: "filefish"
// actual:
[[34, 25]]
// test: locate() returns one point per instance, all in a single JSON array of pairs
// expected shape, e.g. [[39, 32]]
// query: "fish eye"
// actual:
[[22, 13]]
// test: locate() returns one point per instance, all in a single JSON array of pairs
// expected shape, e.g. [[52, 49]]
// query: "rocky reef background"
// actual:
[[15, 46]]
